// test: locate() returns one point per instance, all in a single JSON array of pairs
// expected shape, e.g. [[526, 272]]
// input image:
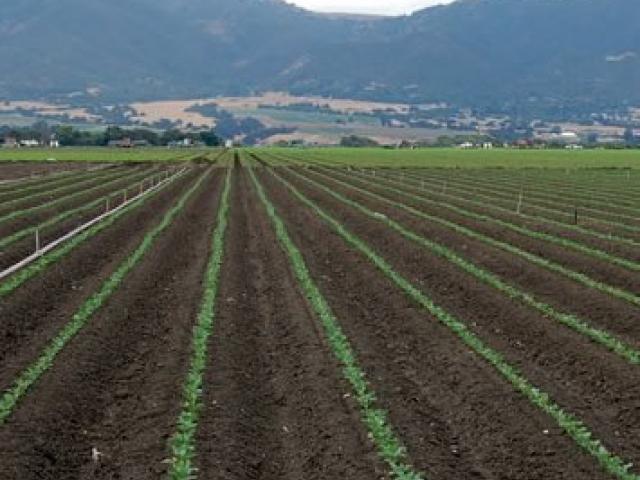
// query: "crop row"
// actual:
[[621, 191], [28, 377], [106, 182], [85, 180], [24, 189], [547, 237], [461, 196], [442, 188], [569, 423], [9, 285], [528, 256], [621, 185], [376, 420], [111, 198], [554, 209], [182, 443], [602, 337], [19, 183]]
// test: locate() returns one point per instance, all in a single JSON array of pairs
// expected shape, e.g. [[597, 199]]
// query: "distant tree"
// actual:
[[592, 138], [629, 137], [210, 138], [358, 142]]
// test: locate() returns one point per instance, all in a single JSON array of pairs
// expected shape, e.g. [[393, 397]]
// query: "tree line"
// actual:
[[69, 136]]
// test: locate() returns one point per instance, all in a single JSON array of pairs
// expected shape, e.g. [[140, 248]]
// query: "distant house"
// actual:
[[569, 137], [466, 145], [54, 142], [10, 142], [487, 145], [30, 143], [123, 143], [184, 143], [228, 143]]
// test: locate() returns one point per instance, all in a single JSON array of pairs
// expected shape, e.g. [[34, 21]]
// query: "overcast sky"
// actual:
[[380, 7]]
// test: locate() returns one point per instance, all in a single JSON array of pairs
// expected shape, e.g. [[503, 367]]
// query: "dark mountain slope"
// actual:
[[578, 53]]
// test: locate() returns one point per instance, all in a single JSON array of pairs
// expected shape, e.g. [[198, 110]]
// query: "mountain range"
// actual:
[[494, 54]]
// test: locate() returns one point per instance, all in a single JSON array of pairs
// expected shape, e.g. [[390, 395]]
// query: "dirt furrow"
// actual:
[[23, 170], [44, 214], [26, 246], [603, 310], [595, 384], [275, 406], [463, 200], [458, 417], [35, 311], [109, 404]]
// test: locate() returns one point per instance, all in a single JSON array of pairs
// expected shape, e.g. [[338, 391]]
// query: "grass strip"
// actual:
[[602, 337], [581, 435], [182, 444], [14, 281], [530, 257], [38, 208], [376, 420], [28, 377], [15, 237]]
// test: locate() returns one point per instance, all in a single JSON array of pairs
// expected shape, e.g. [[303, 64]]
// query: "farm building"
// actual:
[[127, 143], [10, 142]]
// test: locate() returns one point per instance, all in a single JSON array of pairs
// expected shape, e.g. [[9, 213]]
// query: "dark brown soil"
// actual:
[[34, 312], [601, 309], [70, 187], [564, 213], [275, 405], [22, 248], [604, 388], [117, 385], [458, 417], [18, 170], [619, 249], [23, 189]]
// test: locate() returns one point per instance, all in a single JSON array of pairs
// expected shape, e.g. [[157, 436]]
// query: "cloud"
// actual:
[[379, 7]]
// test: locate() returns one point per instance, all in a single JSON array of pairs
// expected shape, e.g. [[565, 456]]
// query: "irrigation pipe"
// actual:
[[46, 249]]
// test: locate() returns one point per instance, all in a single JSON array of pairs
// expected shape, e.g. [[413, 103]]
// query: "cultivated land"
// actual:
[[322, 314], [99, 155]]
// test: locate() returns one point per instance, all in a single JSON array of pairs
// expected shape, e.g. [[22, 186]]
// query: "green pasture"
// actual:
[[457, 158]]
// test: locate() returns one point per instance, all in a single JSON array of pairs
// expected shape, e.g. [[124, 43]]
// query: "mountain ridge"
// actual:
[[493, 54]]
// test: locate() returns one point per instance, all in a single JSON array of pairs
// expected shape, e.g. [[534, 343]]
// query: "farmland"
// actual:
[[320, 314]]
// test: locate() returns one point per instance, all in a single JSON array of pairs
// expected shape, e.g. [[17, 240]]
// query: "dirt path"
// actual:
[[458, 417], [275, 405]]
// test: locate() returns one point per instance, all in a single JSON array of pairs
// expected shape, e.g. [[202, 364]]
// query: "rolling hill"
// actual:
[[517, 54]]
